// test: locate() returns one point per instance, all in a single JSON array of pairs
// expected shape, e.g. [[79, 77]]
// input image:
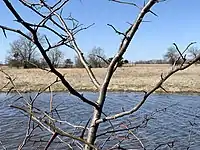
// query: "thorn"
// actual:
[[178, 51], [61, 12], [153, 13], [145, 93], [144, 3], [163, 89], [118, 32], [161, 76], [146, 21], [9, 90], [47, 41], [4, 32], [123, 109]]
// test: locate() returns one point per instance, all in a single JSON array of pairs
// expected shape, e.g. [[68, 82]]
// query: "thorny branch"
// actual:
[[51, 140], [118, 32], [36, 41], [45, 124], [29, 110], [13, 86], [29, 132], [147, 94], [122, 49], [134, 4], [141, 124], [70, 35]]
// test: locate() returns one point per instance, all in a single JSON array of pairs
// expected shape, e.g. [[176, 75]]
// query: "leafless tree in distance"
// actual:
[[194, 51], [24, 50], [171, 55], [96, 58], [56, 56]]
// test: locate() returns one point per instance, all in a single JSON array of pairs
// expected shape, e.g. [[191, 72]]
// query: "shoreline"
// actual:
[[109, 91]]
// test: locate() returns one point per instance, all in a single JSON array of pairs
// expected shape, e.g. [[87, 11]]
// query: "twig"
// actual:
[[118, 32], [127, 3], [51, 140], [4, 148], [181, 55]]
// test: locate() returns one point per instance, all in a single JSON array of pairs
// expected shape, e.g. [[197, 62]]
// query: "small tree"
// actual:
[[55, 56], [23, 51], [68, 63], [96, 58], [125, 61], [14, 63], [172, 55], [194, 52], [120, 63]]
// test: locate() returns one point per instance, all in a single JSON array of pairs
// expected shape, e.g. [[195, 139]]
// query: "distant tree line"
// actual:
[[23, 53], [173, 57], [153, 61]]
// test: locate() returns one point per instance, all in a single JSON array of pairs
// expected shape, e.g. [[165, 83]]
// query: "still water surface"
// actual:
[[179, 122]]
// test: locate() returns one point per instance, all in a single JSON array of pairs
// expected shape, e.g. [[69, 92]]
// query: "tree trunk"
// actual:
[[93, 129], [96, 115]]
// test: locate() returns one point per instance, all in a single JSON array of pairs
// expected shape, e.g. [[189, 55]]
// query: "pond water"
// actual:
[[175, 119]]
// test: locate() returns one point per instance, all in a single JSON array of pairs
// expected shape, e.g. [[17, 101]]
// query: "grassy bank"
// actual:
[[134, 78]]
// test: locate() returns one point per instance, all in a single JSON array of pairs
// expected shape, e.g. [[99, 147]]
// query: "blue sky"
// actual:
[[178, 21]]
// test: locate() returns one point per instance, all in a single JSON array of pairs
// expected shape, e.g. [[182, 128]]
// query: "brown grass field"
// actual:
[[134, 78]]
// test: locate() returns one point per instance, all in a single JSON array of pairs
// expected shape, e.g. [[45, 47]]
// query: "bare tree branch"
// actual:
[[134, 4], [74, 45], [123, 46], [35, 40], [14, 30], [127, 3], [188, 47], [56, 129], [178, 51], [79, 52], [158, 85], [51, 140], [118, 32], [111, 68]]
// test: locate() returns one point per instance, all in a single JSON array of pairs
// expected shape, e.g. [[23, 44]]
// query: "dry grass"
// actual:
[[135, 78]]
